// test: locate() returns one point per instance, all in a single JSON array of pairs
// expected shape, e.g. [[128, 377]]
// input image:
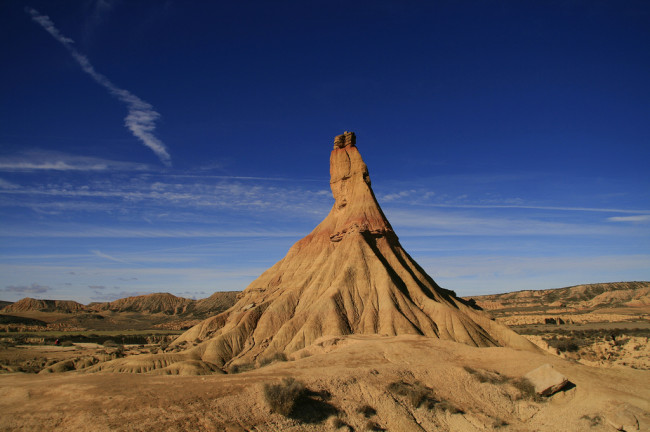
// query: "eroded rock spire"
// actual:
[[350, 275]]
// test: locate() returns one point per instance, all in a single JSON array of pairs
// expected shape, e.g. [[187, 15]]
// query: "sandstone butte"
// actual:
[[350, 275]]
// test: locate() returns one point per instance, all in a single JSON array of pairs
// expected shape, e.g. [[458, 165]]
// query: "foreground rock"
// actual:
[[546, 380]]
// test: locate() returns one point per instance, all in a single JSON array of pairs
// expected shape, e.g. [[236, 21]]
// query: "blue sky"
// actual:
[[183, 147]]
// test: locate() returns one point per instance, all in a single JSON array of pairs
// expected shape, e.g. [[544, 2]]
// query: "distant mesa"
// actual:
[[350, 275], [30, 304]]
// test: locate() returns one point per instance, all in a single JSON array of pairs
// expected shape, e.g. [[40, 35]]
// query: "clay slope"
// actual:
[[350, 275], [29, 304], [151, 303]]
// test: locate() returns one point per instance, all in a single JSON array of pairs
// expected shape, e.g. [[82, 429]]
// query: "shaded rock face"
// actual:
[[350, 275]]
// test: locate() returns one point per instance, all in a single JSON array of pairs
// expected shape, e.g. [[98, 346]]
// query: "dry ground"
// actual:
[[349, 382]]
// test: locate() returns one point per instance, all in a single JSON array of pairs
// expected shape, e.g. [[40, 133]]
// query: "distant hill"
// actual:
[[29, 304], [151, 303], [4, 304], [591, 296], [157, 303], [170, 304]]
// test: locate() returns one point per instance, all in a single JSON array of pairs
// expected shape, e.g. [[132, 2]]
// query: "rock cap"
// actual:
[[345, 139]]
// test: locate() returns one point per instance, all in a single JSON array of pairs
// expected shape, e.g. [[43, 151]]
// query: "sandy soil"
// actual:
[[343, 375]]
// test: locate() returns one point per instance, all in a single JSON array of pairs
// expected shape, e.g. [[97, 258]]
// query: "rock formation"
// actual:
[[350, 275]]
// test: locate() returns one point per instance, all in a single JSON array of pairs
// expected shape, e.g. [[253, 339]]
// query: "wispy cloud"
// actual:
[[4, 184], [141, 116], [108, 257], [27, 289], [100, 296], [150, 196], [639, 218], [40, 160], [422, 222]]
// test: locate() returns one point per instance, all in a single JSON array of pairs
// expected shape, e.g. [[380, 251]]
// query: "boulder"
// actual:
[[546, 380]]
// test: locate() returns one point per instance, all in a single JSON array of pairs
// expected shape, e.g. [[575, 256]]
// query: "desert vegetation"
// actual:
[[418, 395], [526, 390], [282, 398]]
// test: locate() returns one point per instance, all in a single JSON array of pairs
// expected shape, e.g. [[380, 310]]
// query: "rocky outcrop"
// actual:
[[350, 275]]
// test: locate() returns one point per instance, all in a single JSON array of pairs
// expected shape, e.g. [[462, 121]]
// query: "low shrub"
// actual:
[[485, 376], [449, 407], [337, 423], [277, 357], [566, 345], [372, 426], [526, 389], [367, 411], [417, 394], [282, 398], [593, 421], [240, 367]]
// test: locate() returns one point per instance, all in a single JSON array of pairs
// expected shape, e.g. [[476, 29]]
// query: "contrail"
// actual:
[[141, 117]]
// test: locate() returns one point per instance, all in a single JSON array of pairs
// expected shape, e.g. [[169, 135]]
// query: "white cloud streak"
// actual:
[[141, 116], [639, 218], [40, 160], [4, 184], [426, 223]]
